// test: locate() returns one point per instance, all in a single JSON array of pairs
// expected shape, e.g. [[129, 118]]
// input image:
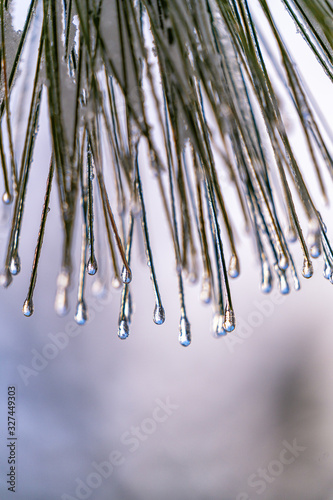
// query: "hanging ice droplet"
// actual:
[[159, 314], [123, 329], [126, 275], [283, 262], [61, 302], [206, 290], [291, 234], [327, 271], [128, 308], [28, 308], [81, 315], [307, 270], [98, 288], [92, 266], [266, 284], [115, 282], [7, 198], [5, 278], [297, 284], [234, 267], [283, 284], [229, 320], [217, 325], [315, 251], [184, 331], [313, 239], [15, 265], [193, 277]]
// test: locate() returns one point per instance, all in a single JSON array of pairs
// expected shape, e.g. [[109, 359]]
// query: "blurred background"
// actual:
[[244, 417]]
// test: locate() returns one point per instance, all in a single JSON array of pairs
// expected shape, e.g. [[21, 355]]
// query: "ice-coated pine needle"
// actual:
[[194, 83]]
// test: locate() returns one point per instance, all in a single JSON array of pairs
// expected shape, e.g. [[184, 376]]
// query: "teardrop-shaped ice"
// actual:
[[15, 265], [206, 290], [315, 251], [61, 302], [99, 288], [283, 284], [159, 314], [5, 278], [234, 267], [229, 320], [92, 266], [126, 275], [123, 329], [297, 284], [283, 261], [218, 329], [313, 239], [81, 315], [266, 284], [307, 270], [184, 331], [7, 198], [291, 234], [327, 271], [115, 282], [128, 308], [193, 277], [28, 308]]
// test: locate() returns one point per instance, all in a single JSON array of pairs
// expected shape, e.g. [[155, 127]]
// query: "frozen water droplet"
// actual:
[[7, 198], [98, 288], [184, 331], [313, 238], [15, 265], [283, 262], [61, 302], [307, 270], [81, 315], [123, 329], [266, 284], [115, 282], [218, 329], [128, 309], [159, 314], [234, 267], [28, 308], [315, 251], [283, 284], [206, 290], [5, 278], [327, 271], [229, 320], [297, 284], [92, 266], [126, 275], [291, 234], [193, 277]]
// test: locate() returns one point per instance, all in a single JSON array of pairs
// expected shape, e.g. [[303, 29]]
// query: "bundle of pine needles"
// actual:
[[201, 65]]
